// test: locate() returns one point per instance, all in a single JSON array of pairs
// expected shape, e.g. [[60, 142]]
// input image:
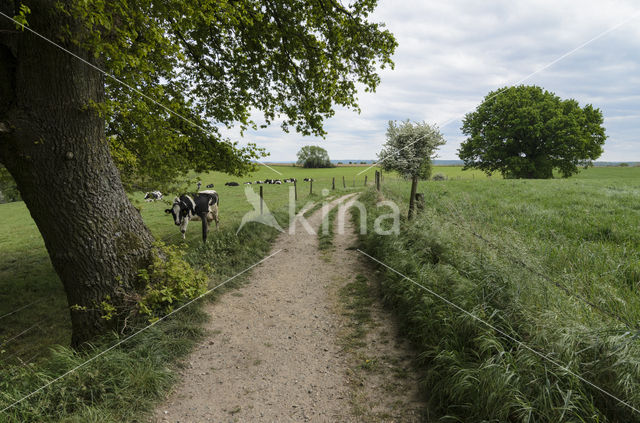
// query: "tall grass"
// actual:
[[475, 373]]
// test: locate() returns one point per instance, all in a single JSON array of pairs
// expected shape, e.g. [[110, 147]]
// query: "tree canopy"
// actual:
[[218, 62], [313, 156], [409, 148], [527, 132]]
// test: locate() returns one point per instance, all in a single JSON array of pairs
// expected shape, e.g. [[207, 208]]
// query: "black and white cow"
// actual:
[[210, 186], [308, 179], [248, 183], [203, 206], [153, 196], [232, 184]]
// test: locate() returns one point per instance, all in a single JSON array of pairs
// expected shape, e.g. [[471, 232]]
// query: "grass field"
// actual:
[[582, 232], [26, 274], [552, 263], [233, 203]]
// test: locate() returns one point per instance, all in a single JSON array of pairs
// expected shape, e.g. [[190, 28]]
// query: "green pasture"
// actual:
[[26, 274], [233, 202]]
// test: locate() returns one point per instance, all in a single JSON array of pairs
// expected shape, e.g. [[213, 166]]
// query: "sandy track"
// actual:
[[273, 353]]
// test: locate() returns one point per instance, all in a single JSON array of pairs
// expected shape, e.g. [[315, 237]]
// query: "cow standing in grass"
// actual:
[[203, 207]]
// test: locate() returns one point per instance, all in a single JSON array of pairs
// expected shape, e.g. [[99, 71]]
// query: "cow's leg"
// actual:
[[183, 227], [205, 226]]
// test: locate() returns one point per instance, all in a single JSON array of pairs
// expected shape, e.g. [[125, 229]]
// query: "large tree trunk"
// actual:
[[53, 144]]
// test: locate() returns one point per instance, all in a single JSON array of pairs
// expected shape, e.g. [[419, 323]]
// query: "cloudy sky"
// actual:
[[452, 53]]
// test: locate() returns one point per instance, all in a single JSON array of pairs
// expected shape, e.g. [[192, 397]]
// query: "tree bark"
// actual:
[[55, 149], [412, 200]]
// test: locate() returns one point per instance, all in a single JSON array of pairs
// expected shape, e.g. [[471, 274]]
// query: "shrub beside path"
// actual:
[[281, 347]]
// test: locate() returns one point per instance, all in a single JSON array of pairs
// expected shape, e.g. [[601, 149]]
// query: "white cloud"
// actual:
[[451, 54]]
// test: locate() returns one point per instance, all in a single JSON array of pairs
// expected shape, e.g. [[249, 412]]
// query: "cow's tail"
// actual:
[[205, 226]]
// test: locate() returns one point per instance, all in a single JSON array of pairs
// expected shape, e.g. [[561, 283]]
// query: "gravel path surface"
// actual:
[[273, 353]]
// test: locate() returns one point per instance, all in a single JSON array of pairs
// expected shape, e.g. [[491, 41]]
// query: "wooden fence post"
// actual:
[[261, 200], [295, 189], [378, 181], [333, 183], [344, 184], [365, 180], [412, 199], [311, 187]]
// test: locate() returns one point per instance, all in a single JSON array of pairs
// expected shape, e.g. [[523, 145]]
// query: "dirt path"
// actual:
[[280, 348]]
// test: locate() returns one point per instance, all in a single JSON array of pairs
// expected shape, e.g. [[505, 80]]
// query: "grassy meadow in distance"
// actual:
[[552, 263]]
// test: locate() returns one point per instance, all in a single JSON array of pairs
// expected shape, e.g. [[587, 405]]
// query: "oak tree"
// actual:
[[70, 111], [527, 132]]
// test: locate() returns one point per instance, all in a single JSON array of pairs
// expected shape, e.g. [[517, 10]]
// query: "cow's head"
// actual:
[[179, 210]]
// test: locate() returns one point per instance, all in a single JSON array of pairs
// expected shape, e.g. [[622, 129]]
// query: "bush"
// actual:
[[167, 281], [439, 177]]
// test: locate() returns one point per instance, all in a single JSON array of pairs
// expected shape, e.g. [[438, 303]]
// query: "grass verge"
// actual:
[[474, 373], [325, 233]]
